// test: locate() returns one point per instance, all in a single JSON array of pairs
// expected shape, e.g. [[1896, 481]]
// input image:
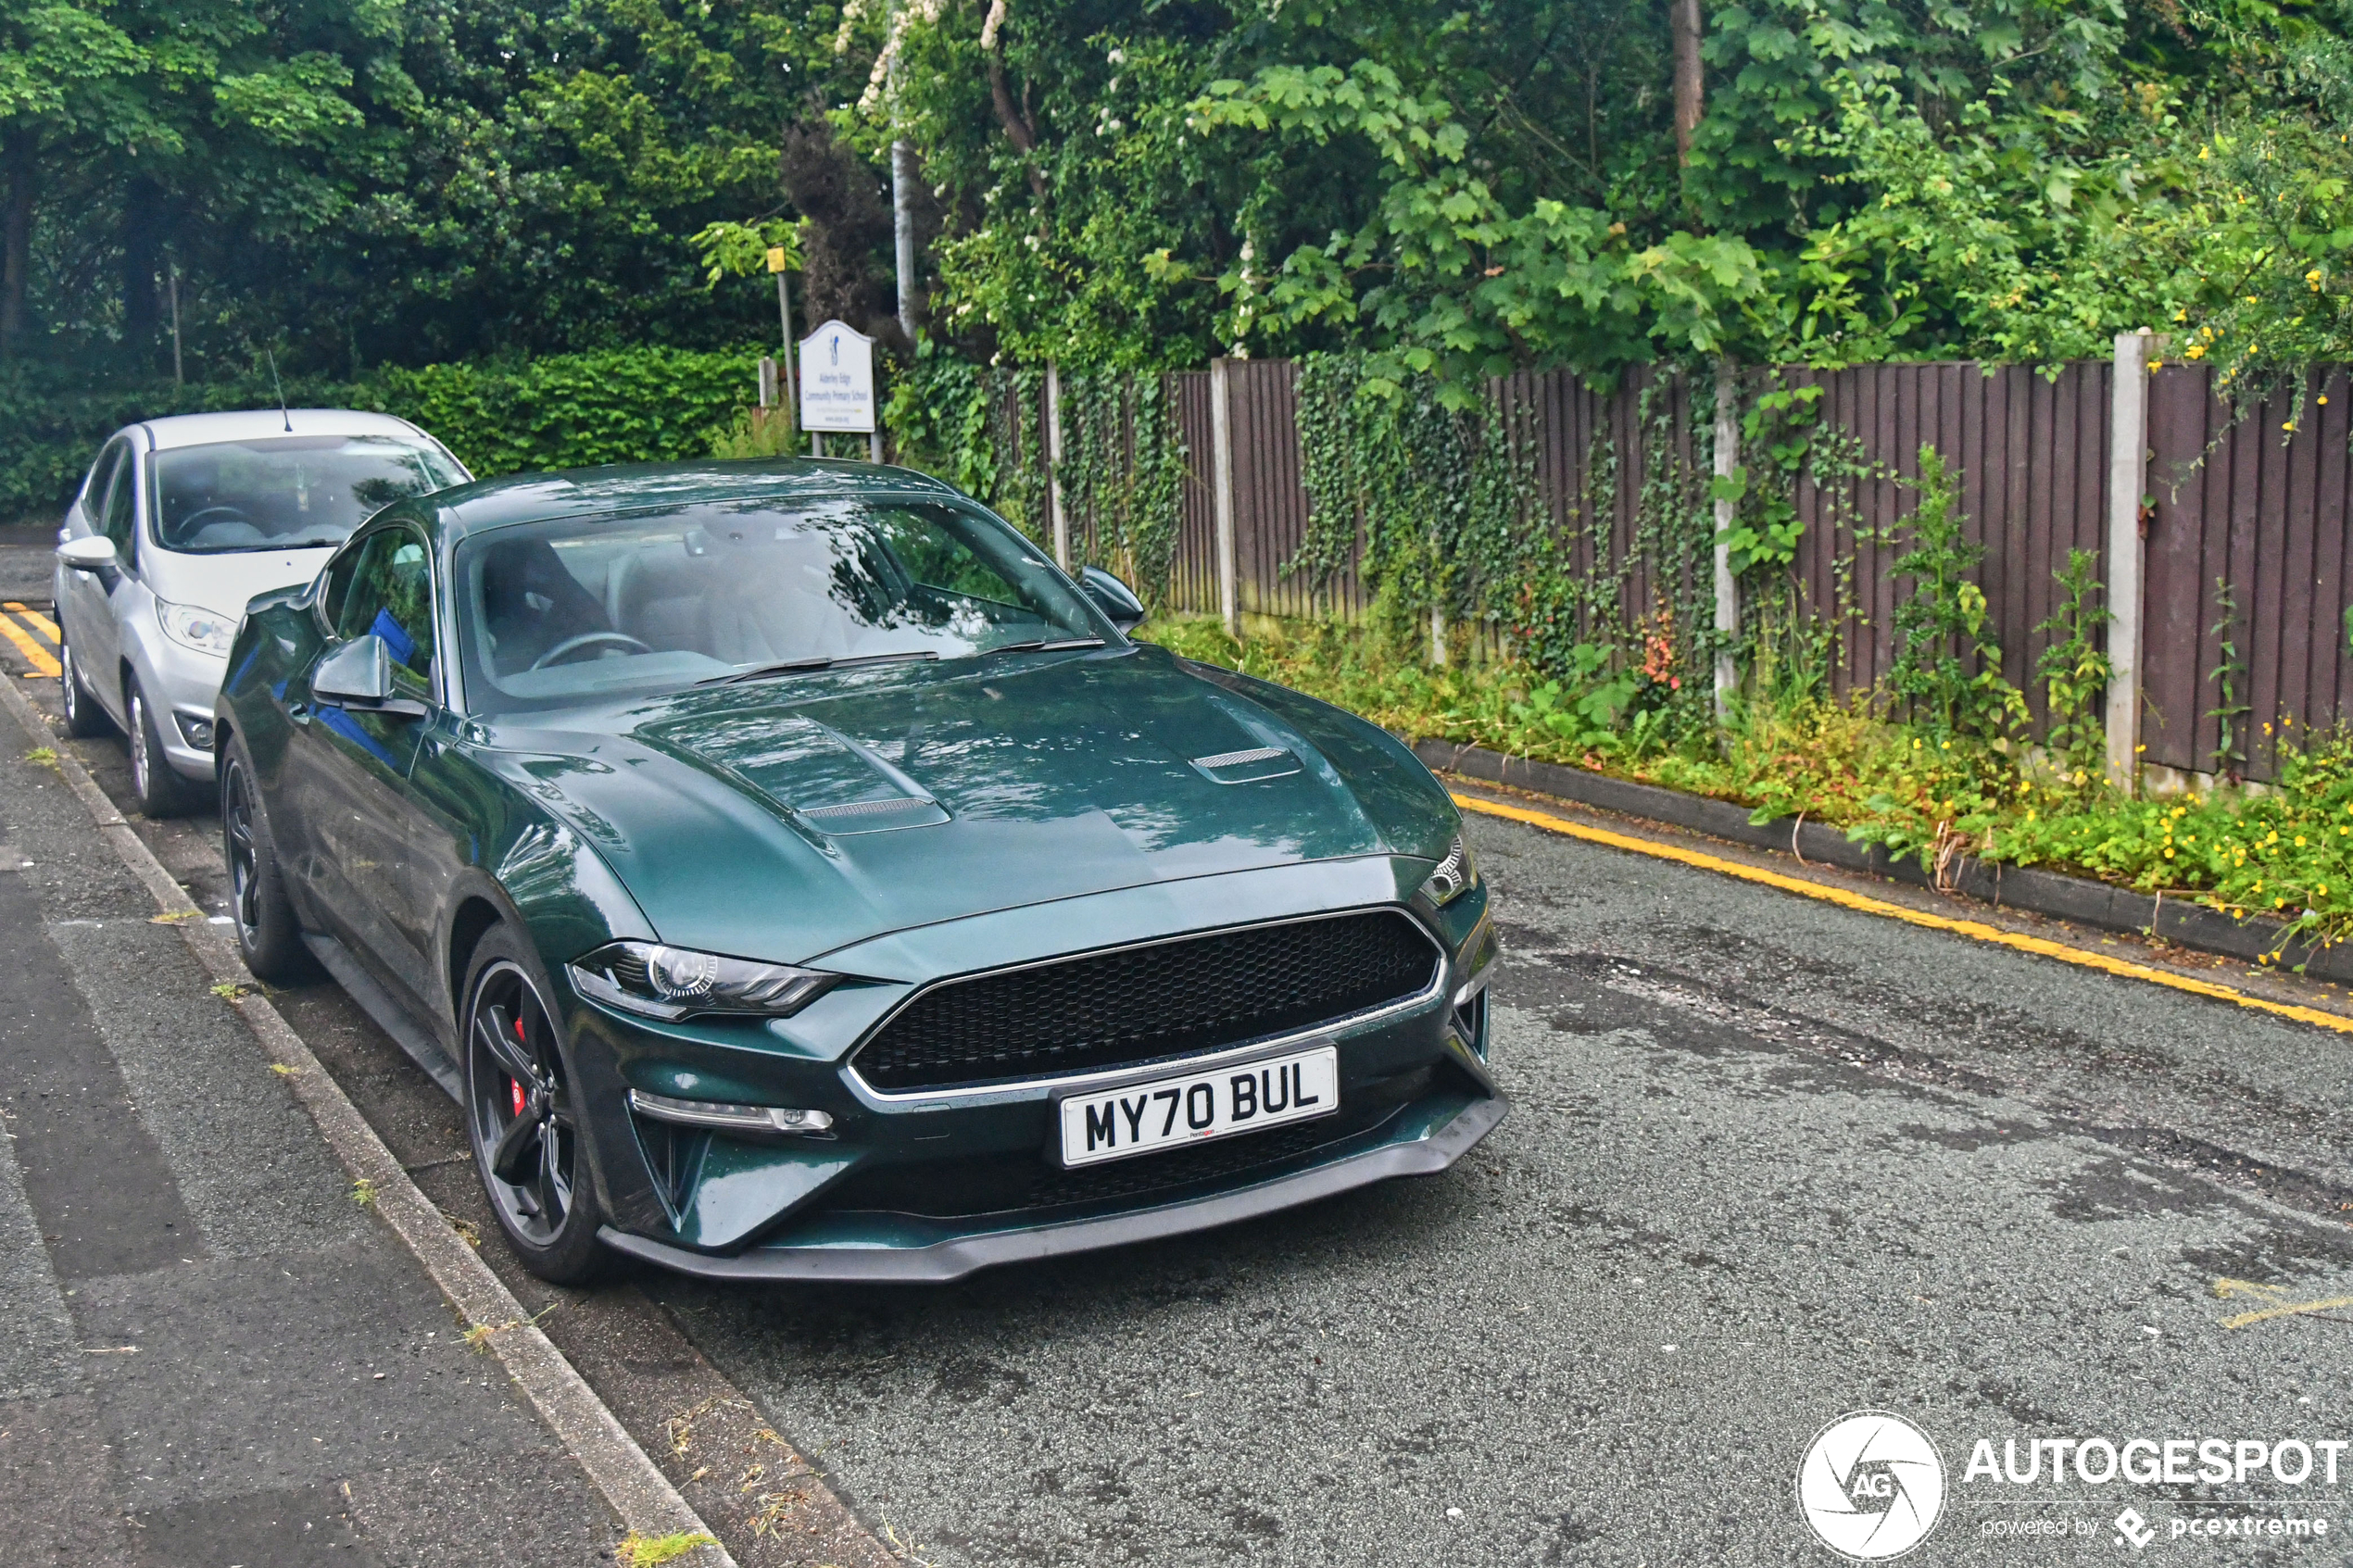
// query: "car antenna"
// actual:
[[277, 386]]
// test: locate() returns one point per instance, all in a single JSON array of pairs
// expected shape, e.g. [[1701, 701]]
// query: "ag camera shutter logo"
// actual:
[[1871, 1485]]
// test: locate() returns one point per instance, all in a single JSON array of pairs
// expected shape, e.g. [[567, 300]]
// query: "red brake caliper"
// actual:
[[514, 1086]]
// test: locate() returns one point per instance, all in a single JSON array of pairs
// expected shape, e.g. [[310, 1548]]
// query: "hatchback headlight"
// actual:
[[202, 630], [1453, 876], [671, 983]]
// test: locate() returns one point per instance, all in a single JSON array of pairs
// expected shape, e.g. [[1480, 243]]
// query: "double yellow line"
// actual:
[[28, 629], [1977, 931]]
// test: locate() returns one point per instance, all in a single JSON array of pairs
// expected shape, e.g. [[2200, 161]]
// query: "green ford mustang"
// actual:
[[795, 876]]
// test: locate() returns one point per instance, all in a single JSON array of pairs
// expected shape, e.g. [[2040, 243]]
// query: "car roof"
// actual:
[[628, 487], [253, 424]]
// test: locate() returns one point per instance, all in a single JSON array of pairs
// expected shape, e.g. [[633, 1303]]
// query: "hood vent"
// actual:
[[873, 816], [1247, 766]]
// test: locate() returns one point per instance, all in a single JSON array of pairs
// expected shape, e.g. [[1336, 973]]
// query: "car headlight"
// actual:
[[672, 983], [1453, 876], [202, 630]]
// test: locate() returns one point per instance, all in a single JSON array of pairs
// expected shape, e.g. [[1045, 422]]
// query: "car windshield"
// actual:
[[286, 493], [551, 613]]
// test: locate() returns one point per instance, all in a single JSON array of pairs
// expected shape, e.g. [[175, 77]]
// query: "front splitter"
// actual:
[[941, 1262]]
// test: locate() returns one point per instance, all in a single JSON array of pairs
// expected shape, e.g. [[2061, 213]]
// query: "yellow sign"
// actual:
[[776, 259]]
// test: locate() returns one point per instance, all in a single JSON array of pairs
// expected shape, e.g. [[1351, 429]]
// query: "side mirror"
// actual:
[[358, 674], [93, 553], [1115, 599]]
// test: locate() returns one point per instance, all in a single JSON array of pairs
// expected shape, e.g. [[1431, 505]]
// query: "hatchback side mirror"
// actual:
[[1115, 599], [358, 674], [94, 553]]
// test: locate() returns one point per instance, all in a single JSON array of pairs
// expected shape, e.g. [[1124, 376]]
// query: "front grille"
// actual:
[[1135, 1005]]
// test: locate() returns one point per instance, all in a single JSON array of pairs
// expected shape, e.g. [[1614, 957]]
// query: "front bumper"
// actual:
[[956, 1179], [1422, 1140], [184, 686]]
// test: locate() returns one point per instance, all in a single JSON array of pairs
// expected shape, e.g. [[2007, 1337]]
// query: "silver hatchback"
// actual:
[[180, 522]]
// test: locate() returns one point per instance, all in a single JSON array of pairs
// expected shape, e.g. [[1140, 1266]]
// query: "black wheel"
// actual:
[[524, 1119], [84, 719], [269, 936], [160, 791]]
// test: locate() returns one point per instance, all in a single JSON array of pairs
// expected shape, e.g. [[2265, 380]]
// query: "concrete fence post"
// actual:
[[1221, 443], [2127, 481], [1728, 589], [1054, 463], [767, 381]]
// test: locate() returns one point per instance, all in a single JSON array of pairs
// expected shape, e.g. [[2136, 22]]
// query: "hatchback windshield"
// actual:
[[286, 493], [568, 611]]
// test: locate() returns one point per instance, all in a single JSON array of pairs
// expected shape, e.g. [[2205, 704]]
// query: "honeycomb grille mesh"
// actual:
[[1141, 1005]]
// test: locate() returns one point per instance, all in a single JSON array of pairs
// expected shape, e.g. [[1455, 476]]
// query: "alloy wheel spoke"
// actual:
[[553, 1188], [491, 1027], [511, 1162]]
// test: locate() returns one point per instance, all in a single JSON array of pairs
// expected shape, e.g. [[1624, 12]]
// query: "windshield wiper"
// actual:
[[823, 661], [1041, 646]]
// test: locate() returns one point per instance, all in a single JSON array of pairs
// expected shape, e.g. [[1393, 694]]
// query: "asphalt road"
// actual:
[[1771, 1161]]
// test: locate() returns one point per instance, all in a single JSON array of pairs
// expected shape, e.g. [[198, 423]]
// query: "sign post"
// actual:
[[779, 262], [837, 382]]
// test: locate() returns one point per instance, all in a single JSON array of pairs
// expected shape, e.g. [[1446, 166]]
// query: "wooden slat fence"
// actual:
[[2268, 511]]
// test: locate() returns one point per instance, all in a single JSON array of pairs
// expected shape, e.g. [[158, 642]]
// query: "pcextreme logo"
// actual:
[[1871, 1485]]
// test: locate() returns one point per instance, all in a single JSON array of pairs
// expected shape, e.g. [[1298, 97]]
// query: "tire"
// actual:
[[84, 719], [269, 934], [159, 790], [520, 1104]]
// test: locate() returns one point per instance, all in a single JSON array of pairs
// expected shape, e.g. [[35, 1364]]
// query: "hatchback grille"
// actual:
[[1134, 1006]]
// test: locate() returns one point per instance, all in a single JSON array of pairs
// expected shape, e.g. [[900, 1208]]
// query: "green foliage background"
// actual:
[[555, 413]]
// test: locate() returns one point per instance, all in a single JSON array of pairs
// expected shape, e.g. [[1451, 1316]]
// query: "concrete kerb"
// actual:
[[648, 1504], [2257, 939]]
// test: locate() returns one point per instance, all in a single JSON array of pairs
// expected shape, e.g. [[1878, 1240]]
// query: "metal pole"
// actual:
[[792, 377], [1221, 443], [171, 271], [902, 197], [1054, 464], [902, 225], [2127, 475], [1728, 589]]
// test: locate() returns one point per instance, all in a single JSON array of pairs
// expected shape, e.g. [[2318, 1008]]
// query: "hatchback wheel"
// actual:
[[522, 1116], [160, 791], [84, 717]]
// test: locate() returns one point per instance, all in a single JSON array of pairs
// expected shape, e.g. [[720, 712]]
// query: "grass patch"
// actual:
[[644, 1551]]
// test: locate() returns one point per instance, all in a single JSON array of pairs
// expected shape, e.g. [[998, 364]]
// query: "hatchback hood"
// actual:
[[782, 818], [223, 584]]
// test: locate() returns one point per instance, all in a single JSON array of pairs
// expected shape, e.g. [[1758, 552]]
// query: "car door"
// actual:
[[86, 608], [347, 767]]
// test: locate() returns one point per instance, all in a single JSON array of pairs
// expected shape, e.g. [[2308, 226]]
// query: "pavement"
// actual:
[[216, 1356], [1772, 1160]]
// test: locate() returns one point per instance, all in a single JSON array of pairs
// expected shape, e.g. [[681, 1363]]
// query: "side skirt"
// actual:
[[410, 1032]]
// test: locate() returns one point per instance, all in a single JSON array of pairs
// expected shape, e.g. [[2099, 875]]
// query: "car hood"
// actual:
[[782, 819], [225, 582]]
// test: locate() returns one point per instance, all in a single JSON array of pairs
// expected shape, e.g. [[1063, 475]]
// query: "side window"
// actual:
[[337, 587], [93, 495], [391, 594], [121, 507]]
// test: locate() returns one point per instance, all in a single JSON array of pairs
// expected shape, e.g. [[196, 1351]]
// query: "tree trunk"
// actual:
[[16, 235], [142, 307], [1682, 16]]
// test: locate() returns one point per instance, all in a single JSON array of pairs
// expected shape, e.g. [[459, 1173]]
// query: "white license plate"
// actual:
[[1199, 1106]]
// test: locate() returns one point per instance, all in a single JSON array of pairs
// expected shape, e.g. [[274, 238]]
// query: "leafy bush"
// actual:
[[1919, 792], [564, 411]]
